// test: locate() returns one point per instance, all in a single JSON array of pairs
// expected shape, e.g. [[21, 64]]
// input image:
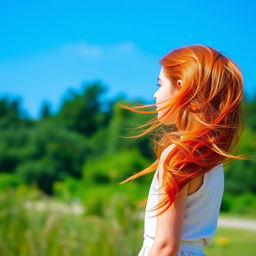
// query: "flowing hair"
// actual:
[[209, 119]]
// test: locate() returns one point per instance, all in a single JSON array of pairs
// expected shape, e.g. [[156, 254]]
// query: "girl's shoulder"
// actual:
[[196, 183]]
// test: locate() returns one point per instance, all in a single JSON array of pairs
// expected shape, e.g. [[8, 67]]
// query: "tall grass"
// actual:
[[117, 230], [107, 227]]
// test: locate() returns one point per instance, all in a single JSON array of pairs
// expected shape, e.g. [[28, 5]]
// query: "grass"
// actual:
[[232, 242], [108, 227]]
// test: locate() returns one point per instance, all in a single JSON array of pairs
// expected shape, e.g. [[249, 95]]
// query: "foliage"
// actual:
[[9, 180], [81, 111], [52, 153], [86, 139], [243, 204], [114, 168], [240, 176]]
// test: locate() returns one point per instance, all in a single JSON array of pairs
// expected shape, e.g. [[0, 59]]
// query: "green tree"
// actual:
[[45, 110], [121, 125], [114, 168], [12, 141], [82, 111], [12, 115], [52, 152], [240, 175]]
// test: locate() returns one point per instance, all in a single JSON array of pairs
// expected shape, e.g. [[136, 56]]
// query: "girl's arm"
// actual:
[[169, 226]]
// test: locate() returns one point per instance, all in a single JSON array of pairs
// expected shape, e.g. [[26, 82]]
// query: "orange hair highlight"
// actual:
[[209, 118]]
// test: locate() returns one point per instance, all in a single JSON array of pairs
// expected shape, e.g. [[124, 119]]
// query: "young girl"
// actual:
[[199, 112]]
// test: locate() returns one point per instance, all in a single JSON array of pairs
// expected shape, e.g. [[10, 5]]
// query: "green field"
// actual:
[[232, 242], [114, 228]]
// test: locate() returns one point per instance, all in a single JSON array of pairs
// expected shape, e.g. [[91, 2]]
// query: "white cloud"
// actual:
[[83, 49]]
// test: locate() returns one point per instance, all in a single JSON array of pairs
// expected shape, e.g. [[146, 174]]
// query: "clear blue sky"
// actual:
[[49, 46]]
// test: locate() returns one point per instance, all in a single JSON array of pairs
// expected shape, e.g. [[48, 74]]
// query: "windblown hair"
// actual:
[[209, 120]]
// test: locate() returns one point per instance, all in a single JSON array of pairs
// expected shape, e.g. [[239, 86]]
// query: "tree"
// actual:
[[82, 112], [52, 153], [45, 110]]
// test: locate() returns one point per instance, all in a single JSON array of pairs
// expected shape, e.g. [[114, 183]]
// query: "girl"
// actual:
[[199, 112]]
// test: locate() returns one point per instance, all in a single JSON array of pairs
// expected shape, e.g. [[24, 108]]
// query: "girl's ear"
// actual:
[[179, 83]]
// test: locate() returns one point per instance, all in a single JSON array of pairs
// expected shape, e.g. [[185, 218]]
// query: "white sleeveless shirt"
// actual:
[[201, 210]]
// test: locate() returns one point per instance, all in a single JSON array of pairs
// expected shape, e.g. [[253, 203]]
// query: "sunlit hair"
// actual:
[[209, 120]]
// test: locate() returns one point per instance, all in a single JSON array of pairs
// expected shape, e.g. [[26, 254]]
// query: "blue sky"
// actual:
[[48, 47]]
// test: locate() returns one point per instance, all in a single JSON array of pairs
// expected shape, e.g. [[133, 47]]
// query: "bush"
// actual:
[[226, 203], [245, 203], [9, 180], [114, 168]]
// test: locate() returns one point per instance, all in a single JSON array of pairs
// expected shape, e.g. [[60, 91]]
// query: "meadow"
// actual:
[[111, 228]]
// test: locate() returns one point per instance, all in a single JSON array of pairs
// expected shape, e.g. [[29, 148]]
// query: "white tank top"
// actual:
[[202, 207]]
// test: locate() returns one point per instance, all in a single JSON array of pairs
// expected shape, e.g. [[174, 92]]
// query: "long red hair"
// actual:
[[209, 121]]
